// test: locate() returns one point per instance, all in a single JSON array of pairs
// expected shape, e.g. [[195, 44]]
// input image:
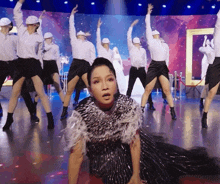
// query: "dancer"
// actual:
[[213, 73], [118, 65], [209, 55], [30, 42], [103, 48], [84, 54], [107, 128], [158, 68], [51, 65], [8, 59], [79, 87], [138, 57]]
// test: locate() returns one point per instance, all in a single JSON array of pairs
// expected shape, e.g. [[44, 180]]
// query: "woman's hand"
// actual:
[[99, 23], [21, 1], [134, 23], [150, 8], [135, 179], [42, 14], [74, 10]]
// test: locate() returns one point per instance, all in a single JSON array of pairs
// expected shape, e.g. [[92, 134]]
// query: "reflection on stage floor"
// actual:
[[29, 153]]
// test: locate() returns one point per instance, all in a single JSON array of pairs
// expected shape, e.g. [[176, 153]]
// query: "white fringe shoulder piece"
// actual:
[[90, 123]]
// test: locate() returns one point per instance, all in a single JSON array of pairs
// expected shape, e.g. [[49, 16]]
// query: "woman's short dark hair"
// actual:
[[11, 24], [100, 61]]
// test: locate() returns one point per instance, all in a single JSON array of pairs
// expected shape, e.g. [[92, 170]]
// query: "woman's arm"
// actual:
[[72, 29], [98, 35], [18, 15], [148, 26], [135, 148], [75, 161]]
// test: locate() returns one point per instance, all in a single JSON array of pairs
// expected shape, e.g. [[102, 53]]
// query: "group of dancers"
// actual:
[[23, 57], [107, 125]]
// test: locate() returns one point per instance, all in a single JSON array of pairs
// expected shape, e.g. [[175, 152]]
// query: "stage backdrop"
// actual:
[[172, 29]]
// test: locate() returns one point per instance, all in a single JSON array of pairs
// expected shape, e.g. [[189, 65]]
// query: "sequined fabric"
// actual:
[[107, 137]]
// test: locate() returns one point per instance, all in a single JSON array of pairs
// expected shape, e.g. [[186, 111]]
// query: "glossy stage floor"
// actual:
[[29, 153]]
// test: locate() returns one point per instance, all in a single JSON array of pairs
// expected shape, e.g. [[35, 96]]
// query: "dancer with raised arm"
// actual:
[[158, 67], [8, 60], [51, 65], [107, 127], [103, 47], [213, 73], [138, 58], [84, 54], [209, 55], [29, 51]]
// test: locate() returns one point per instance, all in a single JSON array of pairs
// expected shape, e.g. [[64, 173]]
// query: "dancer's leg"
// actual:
[[16, 90], [166, 89], [131, 81], [147, 91], [56, 79]]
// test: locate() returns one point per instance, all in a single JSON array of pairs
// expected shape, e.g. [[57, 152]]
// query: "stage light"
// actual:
[[139, 4], [188, 6], [164, 6], [65, 2], [92, 3], [11, 0], [213, 6], [38, 1]]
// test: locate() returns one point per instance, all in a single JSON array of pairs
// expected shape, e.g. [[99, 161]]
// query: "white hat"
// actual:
[[32, 20], [48, 35], [155, 32], [105, 40], [136, 40], [81, 33], [4, 21]]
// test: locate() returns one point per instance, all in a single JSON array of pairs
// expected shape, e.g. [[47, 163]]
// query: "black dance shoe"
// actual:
[[34, 118], [64, 114], [50, 124], [204, 122], [8, 124], [173, 114], [152, 107]]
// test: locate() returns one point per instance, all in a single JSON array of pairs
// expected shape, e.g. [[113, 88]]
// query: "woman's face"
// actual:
[[103, 86], [48, 40]]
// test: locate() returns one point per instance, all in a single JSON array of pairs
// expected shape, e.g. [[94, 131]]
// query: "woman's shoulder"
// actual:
[[84, 103]]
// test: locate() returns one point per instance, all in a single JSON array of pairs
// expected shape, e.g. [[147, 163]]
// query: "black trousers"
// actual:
[[8, 68], [135, 73]]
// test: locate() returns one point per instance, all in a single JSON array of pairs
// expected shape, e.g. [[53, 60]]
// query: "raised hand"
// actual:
[[134, 23], [74, 9], [205, 37], [42, 14], [21, 1], [99, 23], [150, 8]]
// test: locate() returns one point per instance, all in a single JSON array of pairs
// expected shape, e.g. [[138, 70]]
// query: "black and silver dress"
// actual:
[[106, 138]]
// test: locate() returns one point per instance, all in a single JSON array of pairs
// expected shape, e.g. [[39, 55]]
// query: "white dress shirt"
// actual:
[[29, 45], [51, 52], [102, 52], [209, 52], [217, 36], [81, 49], [138, 56], [8, 47], [158, 49]]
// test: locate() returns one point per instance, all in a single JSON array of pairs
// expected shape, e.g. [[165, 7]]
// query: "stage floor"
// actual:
[[29, 153]]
